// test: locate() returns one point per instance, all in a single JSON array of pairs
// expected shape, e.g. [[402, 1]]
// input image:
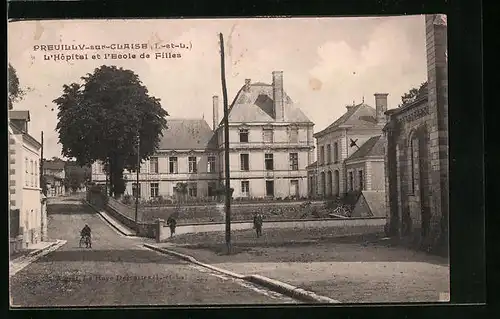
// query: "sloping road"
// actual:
[[119, 271]]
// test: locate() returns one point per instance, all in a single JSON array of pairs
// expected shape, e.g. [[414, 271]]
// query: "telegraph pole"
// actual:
[[41, 161], [226, 146], [137, 179]]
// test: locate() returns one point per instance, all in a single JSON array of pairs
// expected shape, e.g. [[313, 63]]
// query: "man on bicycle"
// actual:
[[86, 233]]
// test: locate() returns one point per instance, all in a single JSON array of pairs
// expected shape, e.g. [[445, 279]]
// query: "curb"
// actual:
[[107, 220], [193, 260], [289, 290], [275, 285], [39, 251]]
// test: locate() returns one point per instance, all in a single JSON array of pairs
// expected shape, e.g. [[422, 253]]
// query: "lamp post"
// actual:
[[137, 178]]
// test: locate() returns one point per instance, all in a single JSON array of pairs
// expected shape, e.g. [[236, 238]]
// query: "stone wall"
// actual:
[[417, 156], [357, 225]]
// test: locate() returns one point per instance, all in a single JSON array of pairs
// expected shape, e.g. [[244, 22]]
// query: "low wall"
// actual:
[[163, 232], [239, 212], [143, 229]]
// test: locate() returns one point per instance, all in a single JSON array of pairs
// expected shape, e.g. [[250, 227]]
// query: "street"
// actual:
[[119, 271]]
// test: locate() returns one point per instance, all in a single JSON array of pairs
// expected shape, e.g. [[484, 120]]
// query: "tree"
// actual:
[[413, 94], [15, 91], [100, 119]]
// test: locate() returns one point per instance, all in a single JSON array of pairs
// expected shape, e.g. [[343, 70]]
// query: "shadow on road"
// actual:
[[69, 209], [107, 255]]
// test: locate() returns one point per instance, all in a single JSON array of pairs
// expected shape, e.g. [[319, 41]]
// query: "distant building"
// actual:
[[187, 154], [24, 182], [271, 144], [54, 174], [417, 153], [350, 151]]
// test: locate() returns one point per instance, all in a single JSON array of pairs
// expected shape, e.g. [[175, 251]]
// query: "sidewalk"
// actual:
[[353, 269], [22, 259]]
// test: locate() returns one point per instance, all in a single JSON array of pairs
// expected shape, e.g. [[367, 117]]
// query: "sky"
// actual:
[[327, 63]]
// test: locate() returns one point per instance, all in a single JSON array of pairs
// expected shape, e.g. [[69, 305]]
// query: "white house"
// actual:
[[24, 184]]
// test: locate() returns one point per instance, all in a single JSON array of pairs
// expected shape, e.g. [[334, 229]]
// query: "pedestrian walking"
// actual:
[[171, 223], [257, 224]]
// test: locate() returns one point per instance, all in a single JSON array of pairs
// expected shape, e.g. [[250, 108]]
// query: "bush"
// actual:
[[127, 199]]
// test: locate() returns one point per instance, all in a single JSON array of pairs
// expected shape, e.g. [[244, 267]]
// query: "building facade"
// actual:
[[24, 185], [54, 173], [417, 153], [341, 152], [271, 144]]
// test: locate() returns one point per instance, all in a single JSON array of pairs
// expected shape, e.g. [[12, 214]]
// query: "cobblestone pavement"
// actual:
[[118, 271]]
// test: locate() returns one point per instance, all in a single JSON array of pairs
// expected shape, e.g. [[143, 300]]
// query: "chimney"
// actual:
[[381, 107], [279, 105], [246, 88], [215, 102]]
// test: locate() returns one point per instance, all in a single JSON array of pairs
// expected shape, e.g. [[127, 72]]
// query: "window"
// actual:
[[192, 164], [328, 154], [172, 165], [136, 191], [361, 180], [212, 186], [245, 188], [243, 136], [36, 173], [294, 135], [269, 162], [413, 156], [335, 152], [351, 181], [322, 155], [155, 189], [32, 174], [193, 190], [294, 161], [211, 164], [26, 175], [268, 135], [245, 165], [269, 188], [153, 164]]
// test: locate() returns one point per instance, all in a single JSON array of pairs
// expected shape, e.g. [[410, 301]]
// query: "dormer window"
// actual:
[[243, 135]]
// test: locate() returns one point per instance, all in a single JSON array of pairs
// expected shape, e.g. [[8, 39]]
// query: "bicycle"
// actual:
[[85, 241]]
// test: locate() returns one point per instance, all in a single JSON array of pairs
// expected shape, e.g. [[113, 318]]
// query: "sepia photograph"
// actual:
[[231, 161]]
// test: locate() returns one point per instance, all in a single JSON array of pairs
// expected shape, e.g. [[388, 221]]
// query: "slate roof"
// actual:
[[19, 115], [257, 105], [312, 165], [358, 116], [16, 130], [373, 147], [187, 134]]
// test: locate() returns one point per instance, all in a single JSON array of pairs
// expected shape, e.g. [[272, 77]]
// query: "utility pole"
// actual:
[[226, 146], [41, 162], [137, 178]]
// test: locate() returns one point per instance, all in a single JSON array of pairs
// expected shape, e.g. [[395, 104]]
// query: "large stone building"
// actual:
[[26, 199], [350, 151], [417, 153], [271, 143]]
